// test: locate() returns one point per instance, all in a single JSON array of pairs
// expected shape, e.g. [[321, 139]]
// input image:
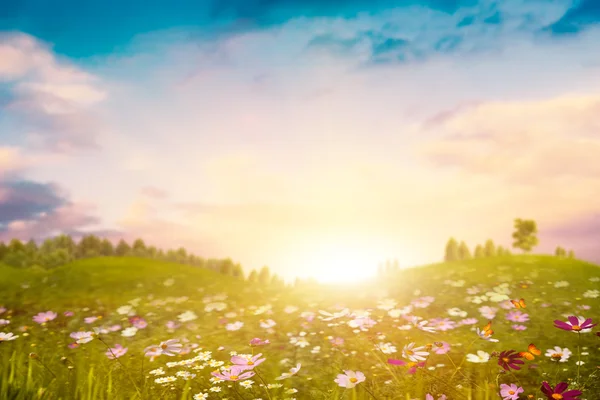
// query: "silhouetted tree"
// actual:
[[253, 277], [560, 252], [571, 254], [138, 248], [525, 235], [264, 276], [106, 248]]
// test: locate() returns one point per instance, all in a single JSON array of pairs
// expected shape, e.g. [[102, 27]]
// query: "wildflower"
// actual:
[[116, 352], [350, 379], [510, 359], [558, 354], [413, 353], [488, 312], [510, 392], [138, 322], [386, 348], [91, 320], [44, 317], [293, 371], [247, 362], [558, 392], [236, 326], [443, 324], [129, 332], [82, 337], [457, 312], [7, 337], [441, 347], [517, 316], [468, 321], [4, 322], [187, 316], [430, 397], [246, 384], [200, 396], [412, 366], [487, 332], [518, 327], [259, 342], [235, 373], [575, 324], [170, 347], [480, 357]]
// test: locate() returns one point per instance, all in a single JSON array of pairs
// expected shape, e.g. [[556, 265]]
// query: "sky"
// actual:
[[306, 135]]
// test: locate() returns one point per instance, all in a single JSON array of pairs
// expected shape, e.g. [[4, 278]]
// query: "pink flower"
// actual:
[[412, 366], [517, 316], [430, 397], [441, 347], [2, 310], [172, 325], [116, 352], [442, 324], [510, 392], [44, 317], [337, 342], [350, 379], [247, 363], [235, 373], [468, 321], [138, 322], [91, 320], [519, 327], [259, 342], [575, 324], [68, 313]]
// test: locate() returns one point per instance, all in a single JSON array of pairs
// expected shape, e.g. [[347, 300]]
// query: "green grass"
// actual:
[[98, 287]]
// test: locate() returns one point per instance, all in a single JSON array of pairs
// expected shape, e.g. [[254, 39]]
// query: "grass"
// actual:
[[40, 365]]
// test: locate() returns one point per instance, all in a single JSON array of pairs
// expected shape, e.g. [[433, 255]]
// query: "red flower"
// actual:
[[510, 359], [558, 393], [574, 324]]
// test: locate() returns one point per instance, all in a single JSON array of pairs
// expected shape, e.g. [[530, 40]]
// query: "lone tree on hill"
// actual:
[[560, 252], [451, 250], [571, 254], [525, 235]]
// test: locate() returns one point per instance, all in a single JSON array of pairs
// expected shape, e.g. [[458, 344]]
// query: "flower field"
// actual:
[[513, 327]]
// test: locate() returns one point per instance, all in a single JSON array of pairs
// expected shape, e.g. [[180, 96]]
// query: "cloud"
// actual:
[[521, 141], [23, 200], [51, 100], [581, 232], [582, 15]]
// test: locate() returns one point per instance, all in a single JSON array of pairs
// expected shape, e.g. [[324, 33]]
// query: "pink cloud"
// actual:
[[154, 192]]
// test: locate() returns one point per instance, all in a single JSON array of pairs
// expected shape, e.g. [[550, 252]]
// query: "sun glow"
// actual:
[[335, 262]]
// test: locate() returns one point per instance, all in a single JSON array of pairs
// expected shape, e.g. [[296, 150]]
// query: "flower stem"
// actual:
[[578, 357], [122, 366], [264, 384], [370, 392]]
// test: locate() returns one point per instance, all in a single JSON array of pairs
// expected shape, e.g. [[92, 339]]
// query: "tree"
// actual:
[[525, 235], [3, 250], [264, 276], [106, 248], [489, 249], [571, 254], [89, 246], [226, 267], [452, 253], [463, 251], [122, 248], [138, 248], [560, 252], [238, 272], [253, 277], [479, 252]]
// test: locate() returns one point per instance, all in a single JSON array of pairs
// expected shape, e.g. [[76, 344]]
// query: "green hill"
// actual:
[[446, 294]]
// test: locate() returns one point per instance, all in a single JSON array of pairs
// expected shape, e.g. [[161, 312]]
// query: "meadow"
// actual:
[[132, 328]]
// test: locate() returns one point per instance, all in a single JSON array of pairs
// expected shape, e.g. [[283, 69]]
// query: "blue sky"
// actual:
[[290, 132]]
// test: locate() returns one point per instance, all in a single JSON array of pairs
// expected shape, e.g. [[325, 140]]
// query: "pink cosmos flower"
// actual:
[[68, 313], [517, 316], [559, 391], [293, 371], [443, 324], [73, 345], [412, 366], [575, 324], [172, 325], [116, 352], [44, 317], [350, 379], [441, 347], [430, 397], [2, 310], [234, 374], [519, 327], [138, 322], [337, 342], [247, 363], [488, 312], [507, 305], [170, 347], [468, 321], [259, 342], [91, 320], [510, 392]]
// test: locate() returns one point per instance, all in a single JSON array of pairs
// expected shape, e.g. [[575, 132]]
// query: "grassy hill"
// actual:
[[448, 295]]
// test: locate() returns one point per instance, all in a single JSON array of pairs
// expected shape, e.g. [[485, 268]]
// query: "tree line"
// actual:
[[524, 238], [63, 249]]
